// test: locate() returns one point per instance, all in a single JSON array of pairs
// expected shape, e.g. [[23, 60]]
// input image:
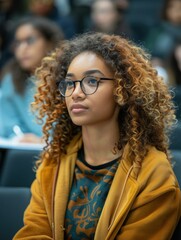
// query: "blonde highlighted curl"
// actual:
[[146, 109]]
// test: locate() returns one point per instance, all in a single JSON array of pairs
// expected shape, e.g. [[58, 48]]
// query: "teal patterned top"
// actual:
[[88, 194]]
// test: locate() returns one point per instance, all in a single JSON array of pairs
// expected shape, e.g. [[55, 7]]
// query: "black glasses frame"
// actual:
[[31, 40], [98, 79]]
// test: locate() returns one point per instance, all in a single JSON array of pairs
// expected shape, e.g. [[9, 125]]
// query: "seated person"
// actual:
[[34, 38]]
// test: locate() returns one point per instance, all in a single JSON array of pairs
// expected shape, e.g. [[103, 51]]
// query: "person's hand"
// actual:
[[28, 138]]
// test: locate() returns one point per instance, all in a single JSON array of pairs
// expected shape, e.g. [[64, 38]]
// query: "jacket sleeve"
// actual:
[[36, 221], [153, 217]]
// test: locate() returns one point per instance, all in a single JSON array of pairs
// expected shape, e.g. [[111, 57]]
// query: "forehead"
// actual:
[[104, 4], [174, 3], [87, 61], [25, 30]]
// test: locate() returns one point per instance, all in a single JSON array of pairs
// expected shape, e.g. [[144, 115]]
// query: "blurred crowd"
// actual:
[[30, 29]]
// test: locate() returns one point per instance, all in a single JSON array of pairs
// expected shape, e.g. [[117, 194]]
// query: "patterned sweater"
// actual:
[[87, 197]]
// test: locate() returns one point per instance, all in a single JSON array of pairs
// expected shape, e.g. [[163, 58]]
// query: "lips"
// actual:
[[25, 59], [78, 108]]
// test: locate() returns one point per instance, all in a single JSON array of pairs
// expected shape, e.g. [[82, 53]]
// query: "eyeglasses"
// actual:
[[29, 41], [89, 85]]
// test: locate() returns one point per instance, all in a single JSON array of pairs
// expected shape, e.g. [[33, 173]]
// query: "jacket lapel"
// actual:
[[63, 186], [47, 177], [122, 194]]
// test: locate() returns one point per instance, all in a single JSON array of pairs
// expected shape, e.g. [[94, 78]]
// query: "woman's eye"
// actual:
[[92, 81], [69, 84], [31, 40]]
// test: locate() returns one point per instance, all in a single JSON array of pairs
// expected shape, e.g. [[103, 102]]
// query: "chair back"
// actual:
[[177, 100], [176, 154], [175, 143], [17, 169], [177, 232], [13, 202]]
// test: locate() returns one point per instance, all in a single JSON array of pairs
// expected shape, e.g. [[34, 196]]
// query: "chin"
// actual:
[[78, 123], [26, 67], [82, 120]]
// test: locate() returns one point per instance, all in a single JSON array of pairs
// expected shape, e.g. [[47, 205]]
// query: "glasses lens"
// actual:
[[28, 41], [16, 44], [66, 87], [89, 85], [31, 40]]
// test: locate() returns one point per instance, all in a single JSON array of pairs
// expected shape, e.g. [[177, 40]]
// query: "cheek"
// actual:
[[105, 104], [39, 52], [17, 55], [40, 49], [67, 103]]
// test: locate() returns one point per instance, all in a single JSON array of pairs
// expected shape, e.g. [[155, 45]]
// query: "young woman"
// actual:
[[106, 171], [34, 38]]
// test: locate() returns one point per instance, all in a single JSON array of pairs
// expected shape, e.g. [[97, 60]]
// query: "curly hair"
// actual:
[[147, 112]]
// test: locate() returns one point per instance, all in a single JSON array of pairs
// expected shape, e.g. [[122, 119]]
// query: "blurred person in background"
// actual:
[[81, 10], [107, 17], [63, 6], [48, 9], [10, 11], [174, 71], [161, 68], [175, 64], [34, 38], [161, 39], [123, 5]]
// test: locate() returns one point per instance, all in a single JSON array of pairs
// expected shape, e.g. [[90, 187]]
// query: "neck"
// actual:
[[99, 144]]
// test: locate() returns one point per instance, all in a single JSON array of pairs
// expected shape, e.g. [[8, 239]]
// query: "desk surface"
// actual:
[[8, 144]]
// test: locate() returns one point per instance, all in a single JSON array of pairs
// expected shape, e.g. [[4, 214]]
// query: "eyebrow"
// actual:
[[89, 72]]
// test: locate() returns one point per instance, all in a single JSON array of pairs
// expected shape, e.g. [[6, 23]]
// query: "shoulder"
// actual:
[[155, 160], [156, 171], [7, 85], [7, 79], [157, 184]]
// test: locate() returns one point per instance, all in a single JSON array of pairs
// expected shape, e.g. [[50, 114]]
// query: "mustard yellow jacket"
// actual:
[[146, 207]]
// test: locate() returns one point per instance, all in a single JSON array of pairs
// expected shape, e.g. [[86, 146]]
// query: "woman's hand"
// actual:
[[28, 138]]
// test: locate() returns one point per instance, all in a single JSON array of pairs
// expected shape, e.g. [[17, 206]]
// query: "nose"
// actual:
[[77, 92], [21, 49]]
